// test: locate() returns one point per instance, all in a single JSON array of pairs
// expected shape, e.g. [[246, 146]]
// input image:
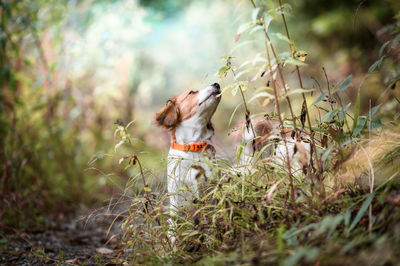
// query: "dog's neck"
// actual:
[[195, 129]]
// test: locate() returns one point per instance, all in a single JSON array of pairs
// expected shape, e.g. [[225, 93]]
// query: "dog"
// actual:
[[266, 137], [187, 117]]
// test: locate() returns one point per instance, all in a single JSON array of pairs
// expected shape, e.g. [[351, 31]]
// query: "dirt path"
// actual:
[[80, 238]]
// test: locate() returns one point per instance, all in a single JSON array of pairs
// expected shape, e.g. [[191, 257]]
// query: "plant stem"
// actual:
[[247, 112], [304, 97], [282, 132]]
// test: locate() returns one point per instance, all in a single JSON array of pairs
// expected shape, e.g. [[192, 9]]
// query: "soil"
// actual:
[[85, 237]]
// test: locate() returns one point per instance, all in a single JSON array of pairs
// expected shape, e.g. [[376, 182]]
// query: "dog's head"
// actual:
[[191, 103]]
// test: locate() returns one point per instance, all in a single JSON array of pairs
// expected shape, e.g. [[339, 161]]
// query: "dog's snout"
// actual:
[[216, 85]]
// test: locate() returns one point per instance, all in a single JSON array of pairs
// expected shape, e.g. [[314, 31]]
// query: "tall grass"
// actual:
[[342, 206]]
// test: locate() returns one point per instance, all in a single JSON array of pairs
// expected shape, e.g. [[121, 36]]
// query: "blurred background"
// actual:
[[70, 69]]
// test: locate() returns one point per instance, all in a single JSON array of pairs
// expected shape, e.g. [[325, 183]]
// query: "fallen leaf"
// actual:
[[104, 251]]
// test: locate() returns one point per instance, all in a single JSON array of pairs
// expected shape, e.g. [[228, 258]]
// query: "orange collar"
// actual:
[[198, 146]]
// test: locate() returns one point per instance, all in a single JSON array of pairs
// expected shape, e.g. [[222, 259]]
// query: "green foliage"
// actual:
[[265, 212], [49, 131], [33, 173]]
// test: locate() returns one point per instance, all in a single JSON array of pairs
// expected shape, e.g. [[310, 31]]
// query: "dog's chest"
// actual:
[[186, 172]]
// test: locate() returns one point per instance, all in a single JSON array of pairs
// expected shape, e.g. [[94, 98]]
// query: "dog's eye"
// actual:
[[193, 92]]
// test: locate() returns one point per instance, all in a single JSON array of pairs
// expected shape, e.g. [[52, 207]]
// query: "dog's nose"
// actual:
[[216, 85]]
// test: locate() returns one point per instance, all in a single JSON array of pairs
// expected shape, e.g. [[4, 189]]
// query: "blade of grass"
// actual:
[[356, 111]]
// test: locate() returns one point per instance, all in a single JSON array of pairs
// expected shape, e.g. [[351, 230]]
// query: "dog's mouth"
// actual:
[[216, 93]]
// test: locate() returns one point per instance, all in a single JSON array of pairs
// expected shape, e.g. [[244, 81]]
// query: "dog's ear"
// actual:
[[263, 130], [168, 116]]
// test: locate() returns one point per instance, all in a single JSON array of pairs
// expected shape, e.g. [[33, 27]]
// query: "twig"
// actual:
[[371, 187], [329, 88], [247, 112], [303, 95], [283, 137]]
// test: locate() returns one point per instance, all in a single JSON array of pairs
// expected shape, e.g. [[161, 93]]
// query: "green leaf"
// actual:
[[307, 254], [239, 151], [343, 111], [256, 28], [130, 123], [395, 42], [235, 90], [329, 116], [233, 114], [360, 126], [295, 62], [347, 217], [299, 91], [326, 153], [241, 44], [287, 7], [281, 37], [375, 123], [267, 21], [320, 98], [254, 14], [223, 71], [261, 94], [118, 145], [243, 72], [362, 211], [242, 28], [375, 65], [282, 57], [264, 88], [345, 83], [226, 57], [357, 110], [383, 48], [373, 111], [147, 189], [245, 63], [328, 223]]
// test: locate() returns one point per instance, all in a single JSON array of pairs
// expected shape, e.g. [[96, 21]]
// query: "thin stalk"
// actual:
[[147, 194], [279, 72], [304, 97], [329, 88], [268, 40], [372, 175], [282, 79], [283, 137], [247, 115]]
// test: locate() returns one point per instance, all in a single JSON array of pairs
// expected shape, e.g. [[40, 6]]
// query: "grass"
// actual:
[[246, 217], [341, 209], [249, 219]]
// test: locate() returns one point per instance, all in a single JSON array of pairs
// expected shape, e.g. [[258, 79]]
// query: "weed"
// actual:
[[332, 212]]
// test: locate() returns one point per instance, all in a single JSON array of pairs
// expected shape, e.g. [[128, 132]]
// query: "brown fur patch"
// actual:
[[169, 116], [188, 104], [200, 172], [264, 130], [178, 109]]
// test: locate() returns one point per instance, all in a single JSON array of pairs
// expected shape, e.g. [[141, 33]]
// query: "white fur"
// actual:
[[182, 182], [276, 150], [183, 186]]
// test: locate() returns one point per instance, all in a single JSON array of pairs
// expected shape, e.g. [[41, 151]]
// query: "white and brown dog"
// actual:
[[266, 137], [188, 119]]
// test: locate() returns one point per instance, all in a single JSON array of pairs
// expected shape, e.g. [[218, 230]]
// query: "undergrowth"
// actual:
[[341, 207]]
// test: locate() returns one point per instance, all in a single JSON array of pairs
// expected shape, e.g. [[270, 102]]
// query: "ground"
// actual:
[[77, 238]]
